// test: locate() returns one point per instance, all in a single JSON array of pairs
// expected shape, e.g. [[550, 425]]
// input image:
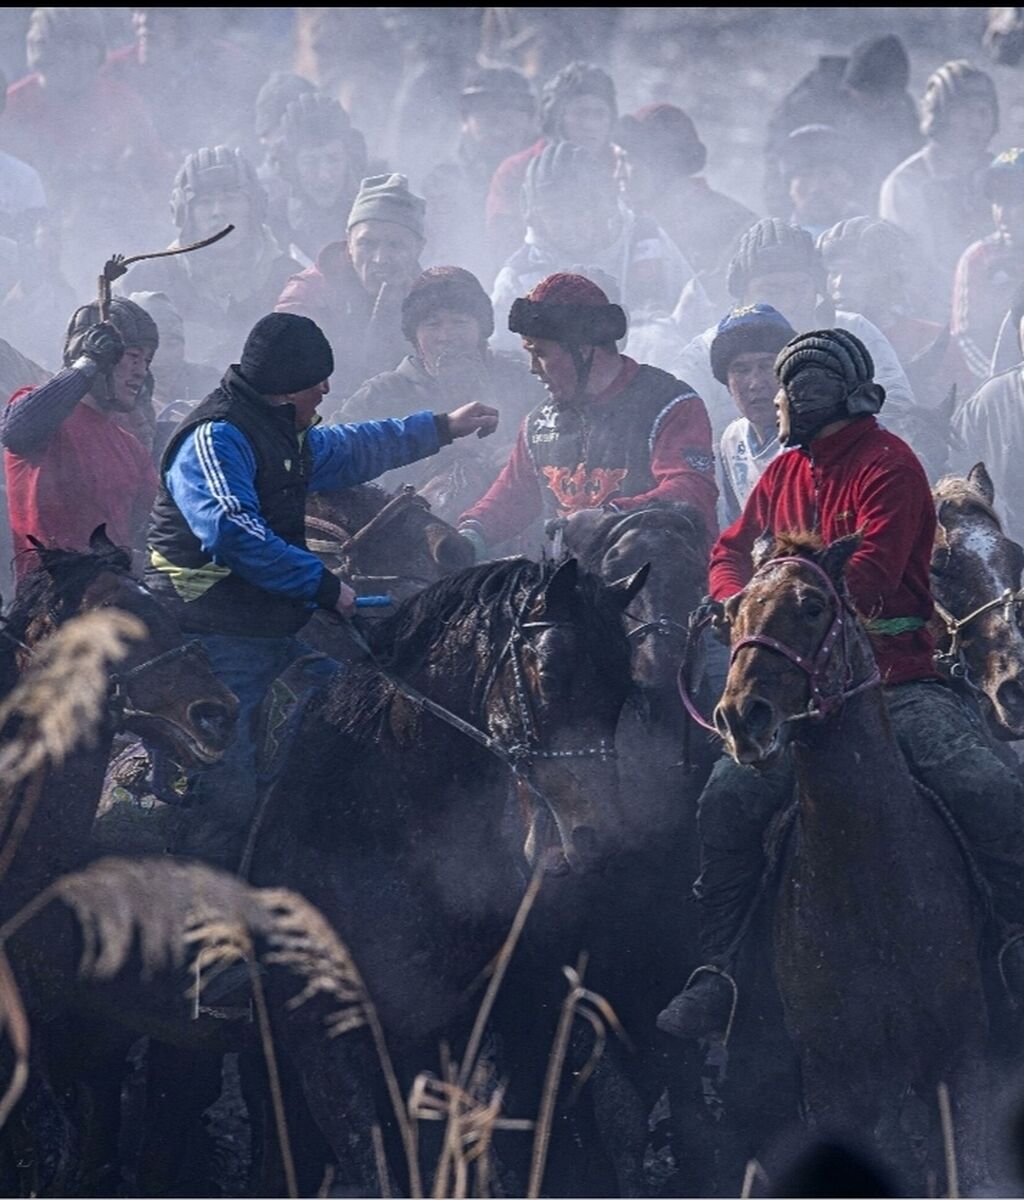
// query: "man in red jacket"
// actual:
[[613, 434], [846, 473]]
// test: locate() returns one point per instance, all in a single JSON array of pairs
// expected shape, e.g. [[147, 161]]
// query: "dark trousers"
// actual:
[[946, 748], [224, 798]]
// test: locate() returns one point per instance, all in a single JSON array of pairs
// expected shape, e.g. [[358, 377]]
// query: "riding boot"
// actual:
[[735, 809]]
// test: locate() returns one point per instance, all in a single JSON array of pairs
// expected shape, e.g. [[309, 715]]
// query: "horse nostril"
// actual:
[[756, 716], [451, 553], [214, 720], [1010, 696]]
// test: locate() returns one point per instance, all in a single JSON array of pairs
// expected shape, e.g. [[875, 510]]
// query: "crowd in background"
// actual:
[[403, 175]]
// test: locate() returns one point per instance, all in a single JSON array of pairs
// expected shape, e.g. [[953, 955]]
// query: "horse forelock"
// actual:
[[796, 544], [965, 498]]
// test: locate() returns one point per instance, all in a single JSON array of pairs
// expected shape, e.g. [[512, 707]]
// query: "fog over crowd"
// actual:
[[588, 291]]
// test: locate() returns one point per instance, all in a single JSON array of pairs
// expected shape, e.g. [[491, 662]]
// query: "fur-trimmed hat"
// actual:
[[570, 309], [453, 288], [755, 328], [952, 82], [773, 245]]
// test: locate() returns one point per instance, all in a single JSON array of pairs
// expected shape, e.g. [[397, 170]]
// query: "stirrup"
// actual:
[[711, 969]]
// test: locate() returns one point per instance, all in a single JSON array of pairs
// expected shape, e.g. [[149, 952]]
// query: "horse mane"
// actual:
[[796, 544], [471, 609], [59, 582], [959, 491], [676, 515]]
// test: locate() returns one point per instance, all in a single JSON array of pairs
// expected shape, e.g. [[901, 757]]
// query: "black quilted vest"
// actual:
[[232, 605]]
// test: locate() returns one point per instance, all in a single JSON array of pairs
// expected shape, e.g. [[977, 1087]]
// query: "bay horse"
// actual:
[[975, 576], [414, 840], [877, 928]]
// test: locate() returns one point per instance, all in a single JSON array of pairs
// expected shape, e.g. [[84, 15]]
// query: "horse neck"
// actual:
[[851, 778]]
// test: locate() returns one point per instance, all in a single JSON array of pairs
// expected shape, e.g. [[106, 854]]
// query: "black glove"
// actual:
[[99, 348], [713, 611]]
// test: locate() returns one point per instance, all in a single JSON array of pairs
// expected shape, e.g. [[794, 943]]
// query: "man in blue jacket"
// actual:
[[226, 540]]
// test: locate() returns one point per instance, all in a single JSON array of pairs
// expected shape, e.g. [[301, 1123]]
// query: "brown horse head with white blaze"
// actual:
[[975, 577], [798, 651]]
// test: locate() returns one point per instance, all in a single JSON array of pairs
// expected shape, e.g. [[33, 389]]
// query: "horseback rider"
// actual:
[[226, 541], [846, 474], [613, 434]]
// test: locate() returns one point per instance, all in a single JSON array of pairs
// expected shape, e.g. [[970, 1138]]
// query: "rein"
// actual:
[[952, 660], [519, 756], [820, 704]]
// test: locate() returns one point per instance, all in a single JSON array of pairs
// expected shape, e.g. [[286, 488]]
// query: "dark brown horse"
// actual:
[[414, 840], [877, 929], [975, 574]]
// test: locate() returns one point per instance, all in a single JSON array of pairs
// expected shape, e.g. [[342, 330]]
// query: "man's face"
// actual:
[[447, 333], [307, 402], [209, 212], [587, 122], [496, 129], [752, 385], [323, 171], [553, 365], [127, 378], [383, 252], [577, 228], [856, 285], [1009, 220], [969, 125], [809, 387], [792, 293], [820, 194]]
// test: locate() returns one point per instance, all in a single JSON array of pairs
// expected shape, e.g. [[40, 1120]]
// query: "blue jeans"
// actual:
[[224, 798]]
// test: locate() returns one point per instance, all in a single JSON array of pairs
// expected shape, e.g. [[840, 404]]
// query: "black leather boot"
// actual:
[[703, 1009]]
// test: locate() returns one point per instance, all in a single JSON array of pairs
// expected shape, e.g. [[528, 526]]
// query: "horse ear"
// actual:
[[562, 585], [837, 554], [979, 479], [623, 590], [99, 542], [762, 549]]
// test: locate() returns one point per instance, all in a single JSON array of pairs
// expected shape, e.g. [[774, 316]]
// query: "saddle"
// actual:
[[287, 700]]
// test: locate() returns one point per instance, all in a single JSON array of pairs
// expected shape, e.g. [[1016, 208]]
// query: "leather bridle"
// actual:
[[821, 704]]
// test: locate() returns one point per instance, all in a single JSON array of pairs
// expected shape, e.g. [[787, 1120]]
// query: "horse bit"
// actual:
[[952, 659], [820, 705]]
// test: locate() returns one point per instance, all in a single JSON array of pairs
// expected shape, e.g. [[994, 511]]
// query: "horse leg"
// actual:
[[181, 1084], [621, 1119]]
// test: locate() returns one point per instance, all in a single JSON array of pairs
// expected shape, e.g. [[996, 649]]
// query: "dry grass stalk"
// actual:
[[753, 1174], [55, 708], [598, 1012], [948, 1143], [183, 914], [59, 701]]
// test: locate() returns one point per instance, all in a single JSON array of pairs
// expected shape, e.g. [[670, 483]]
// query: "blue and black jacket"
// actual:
[[227, 541]]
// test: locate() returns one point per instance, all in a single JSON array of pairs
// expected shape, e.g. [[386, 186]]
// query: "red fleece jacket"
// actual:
[[860, 478], [514, 500], [91, 472]]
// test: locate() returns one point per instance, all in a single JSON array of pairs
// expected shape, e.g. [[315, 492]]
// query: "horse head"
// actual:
[[561, 691], [975, 572], [164, 688], [383, 542], [798, 650], [673, 539]]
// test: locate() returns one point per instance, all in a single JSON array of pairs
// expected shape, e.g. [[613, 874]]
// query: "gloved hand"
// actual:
[[475, 539], [99, 348], [719, 622]]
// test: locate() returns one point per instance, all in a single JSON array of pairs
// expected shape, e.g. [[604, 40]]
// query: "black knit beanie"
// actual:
[[285, 353], [453, 288]]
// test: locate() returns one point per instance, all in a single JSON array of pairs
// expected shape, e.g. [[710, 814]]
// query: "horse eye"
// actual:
[[812, 610]]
